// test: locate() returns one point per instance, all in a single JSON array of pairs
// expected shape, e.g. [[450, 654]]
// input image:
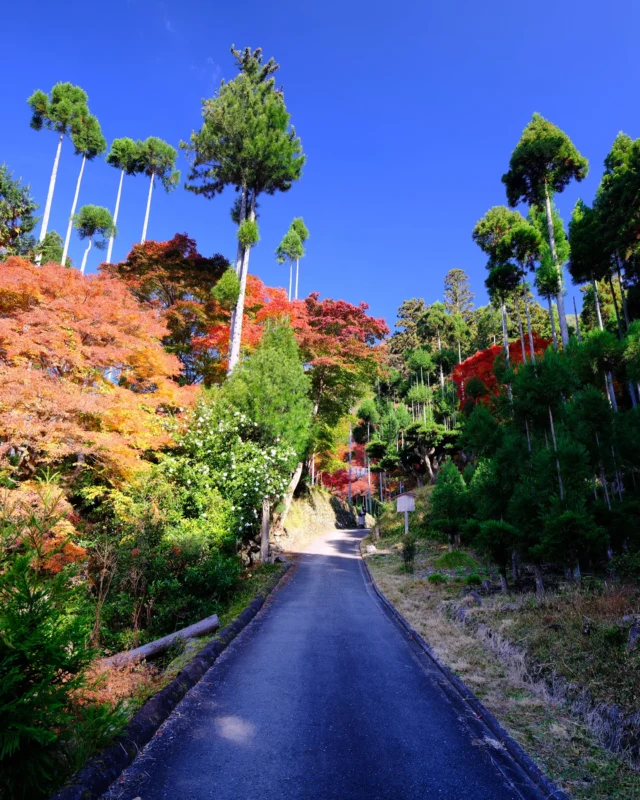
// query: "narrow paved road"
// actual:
[[320, 698]]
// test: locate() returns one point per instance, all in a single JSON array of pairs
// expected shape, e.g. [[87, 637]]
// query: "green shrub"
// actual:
[[473, 580], [437, 578], [409, 550], [627, 566], [45, 626], [455, 559]]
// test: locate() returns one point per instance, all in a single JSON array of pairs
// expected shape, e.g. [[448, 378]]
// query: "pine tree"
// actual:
[[63, 112], [16, 216], [458, 297], [89, 142], [92, 221], [125, 156], [543, 163], [157, 160], [246, 141]]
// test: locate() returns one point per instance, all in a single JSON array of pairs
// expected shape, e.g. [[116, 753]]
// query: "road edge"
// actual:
[[514, 762], [103, 769]]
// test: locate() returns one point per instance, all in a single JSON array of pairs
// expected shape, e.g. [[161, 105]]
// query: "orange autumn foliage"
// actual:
[[82, 371]]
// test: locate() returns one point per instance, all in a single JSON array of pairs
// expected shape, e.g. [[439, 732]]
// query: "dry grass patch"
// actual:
[[564, 749]]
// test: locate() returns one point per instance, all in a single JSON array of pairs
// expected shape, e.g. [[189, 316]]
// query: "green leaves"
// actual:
[[248, 234], [16, 216], [290, 248], [545, 159], [158, 158], [87, 138], [64, 110], [227, 290], [125, 154], [94, 220], [246, 138]]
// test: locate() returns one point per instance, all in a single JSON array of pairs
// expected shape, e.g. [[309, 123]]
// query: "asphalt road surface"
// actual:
[[321, 697]]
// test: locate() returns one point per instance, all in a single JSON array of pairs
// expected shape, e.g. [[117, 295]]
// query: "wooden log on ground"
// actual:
[[207, 625]]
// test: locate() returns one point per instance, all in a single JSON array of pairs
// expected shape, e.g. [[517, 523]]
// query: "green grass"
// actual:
[[455, 559]]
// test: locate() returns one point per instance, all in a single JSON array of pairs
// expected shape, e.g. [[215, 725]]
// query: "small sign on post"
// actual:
[[405, 502]]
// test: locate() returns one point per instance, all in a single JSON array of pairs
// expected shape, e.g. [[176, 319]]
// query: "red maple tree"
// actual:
[[84, 375], [481, 366]]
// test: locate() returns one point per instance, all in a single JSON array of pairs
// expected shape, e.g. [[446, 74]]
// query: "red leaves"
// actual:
[[83, 371], [480, 365]]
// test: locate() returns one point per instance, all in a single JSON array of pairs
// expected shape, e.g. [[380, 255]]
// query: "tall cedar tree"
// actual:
[[92, 222], [246, 141], [16, 216], [125, 156], [543, 163], [63, 111], [303, 232], [89, 143], [157, 159], [458, 297]]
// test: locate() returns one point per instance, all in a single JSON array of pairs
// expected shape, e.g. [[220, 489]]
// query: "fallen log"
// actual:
[[207, 625]]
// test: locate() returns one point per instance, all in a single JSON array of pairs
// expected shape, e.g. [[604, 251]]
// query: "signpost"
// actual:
[[405, 502]]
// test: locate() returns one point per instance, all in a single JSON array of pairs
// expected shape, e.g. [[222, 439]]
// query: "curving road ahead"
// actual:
[[320, 698]]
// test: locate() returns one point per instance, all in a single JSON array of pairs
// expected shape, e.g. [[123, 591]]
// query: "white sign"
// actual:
[[405, 502]]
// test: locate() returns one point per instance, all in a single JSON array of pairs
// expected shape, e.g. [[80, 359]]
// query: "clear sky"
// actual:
[[408, 113]]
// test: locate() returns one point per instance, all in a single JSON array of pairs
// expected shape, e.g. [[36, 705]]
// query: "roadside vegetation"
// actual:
[[511, 670], [156, 418]]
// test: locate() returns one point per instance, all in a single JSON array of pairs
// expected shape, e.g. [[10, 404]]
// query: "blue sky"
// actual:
[[408, 113]]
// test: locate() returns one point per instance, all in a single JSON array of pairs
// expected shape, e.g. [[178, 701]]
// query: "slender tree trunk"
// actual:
[[115, 216], [555, 450], [288, 497], [504, 586], [290, 278], [236, 327], [524, 350], [623, 294], [459, 353], [243, 216], [529, 328], [615, 306], [67, 238], [381, 491], [240, 253], [146, 216], [264, 531], [84, 257], [553, 323], [441, 372], [564, 331], [47, 207], [514, 566], [505, 338], [608, 378], [575, 312], [537, 571], [596, 300], [297, 275]]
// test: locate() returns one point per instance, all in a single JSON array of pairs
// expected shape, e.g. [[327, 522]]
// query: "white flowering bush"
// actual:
[[221, 451]]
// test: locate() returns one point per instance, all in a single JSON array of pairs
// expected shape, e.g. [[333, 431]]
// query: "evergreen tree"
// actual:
[[92, 221], [50, 249], [458, 297], [246, 141], [303, 232], [125, 156], [543, 163], [157, 159], [290, 249], [63, 112], [16, 216], [89, 143]]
